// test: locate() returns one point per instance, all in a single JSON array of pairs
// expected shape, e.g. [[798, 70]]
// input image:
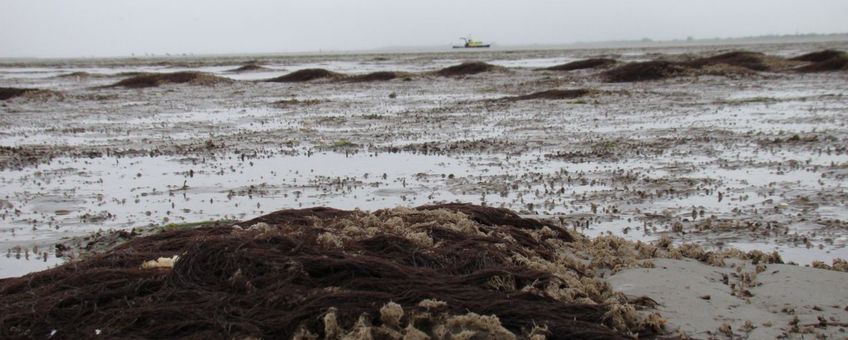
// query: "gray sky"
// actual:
[[74, 28]]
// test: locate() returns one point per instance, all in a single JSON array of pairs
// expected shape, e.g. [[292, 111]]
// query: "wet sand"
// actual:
[[754, 161], [784, 301]]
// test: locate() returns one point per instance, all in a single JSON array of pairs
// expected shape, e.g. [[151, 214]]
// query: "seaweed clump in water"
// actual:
[[823, 61], [583, 64], [642, 71], [557, 94], [145, 80], [7, 93], [437, 271], [306, 75], [376, 76], [467, 68]]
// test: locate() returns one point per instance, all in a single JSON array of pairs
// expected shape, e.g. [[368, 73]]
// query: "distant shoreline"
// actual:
[[446, 48]]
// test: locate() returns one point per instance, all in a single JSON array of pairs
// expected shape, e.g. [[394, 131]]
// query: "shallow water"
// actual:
[[644, 155]]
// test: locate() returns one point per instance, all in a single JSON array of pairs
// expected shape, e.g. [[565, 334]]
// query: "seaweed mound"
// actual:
[[78, 75], [466, 68], [745, 59], [375, 76], [306, 75], [450, 271], [248, 68], [583, 64], [11, 92], [819, 56], [642, 71], [837, 63], [157, 79], [553, 95], [823, 61], [7, 93]]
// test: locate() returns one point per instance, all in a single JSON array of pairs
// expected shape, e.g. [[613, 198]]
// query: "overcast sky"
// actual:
[[75, 28]]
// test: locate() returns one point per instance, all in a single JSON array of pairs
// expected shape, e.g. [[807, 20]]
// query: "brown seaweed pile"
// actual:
[[376, 76], [450, 271], [832, 64], [557, 94], [77, 75], [11, 92], [642, 71], [7, 93], [750, 60], [735, 63], [583, 64], [467, 68], [307, 75], [819, 56], [823, 61], [248, 68], [157, 79]]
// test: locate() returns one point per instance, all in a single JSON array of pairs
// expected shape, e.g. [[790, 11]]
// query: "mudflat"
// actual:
[[736, 150]]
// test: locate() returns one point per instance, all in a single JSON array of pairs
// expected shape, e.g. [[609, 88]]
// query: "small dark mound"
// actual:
[[129, 74], [837, 63], [750, 60], [7, 93], [75, 75], [158, 79], [306, 75], [552, 94], [819, 56], [467, 68], [642, 71], [375, 76], [583, 64], [11, 92], [248, 68]]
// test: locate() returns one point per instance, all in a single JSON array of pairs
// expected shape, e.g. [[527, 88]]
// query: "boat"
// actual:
[[471, 43]]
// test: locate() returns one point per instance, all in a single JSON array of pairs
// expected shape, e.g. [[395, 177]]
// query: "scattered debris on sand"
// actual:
[[307, 75], [552, 95], [768, 300], [583, 64], [157, 79], [642, 71], [18, 157], [434, 271], [7, 93], [467, 68], [296, 102]]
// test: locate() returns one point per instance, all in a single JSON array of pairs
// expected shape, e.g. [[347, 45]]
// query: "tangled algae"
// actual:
[[157, 79], [642, 71], [467, 68], [378, 76], [7, 93], [450, 271], [557, 94], [583, 64], [305, 75]]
